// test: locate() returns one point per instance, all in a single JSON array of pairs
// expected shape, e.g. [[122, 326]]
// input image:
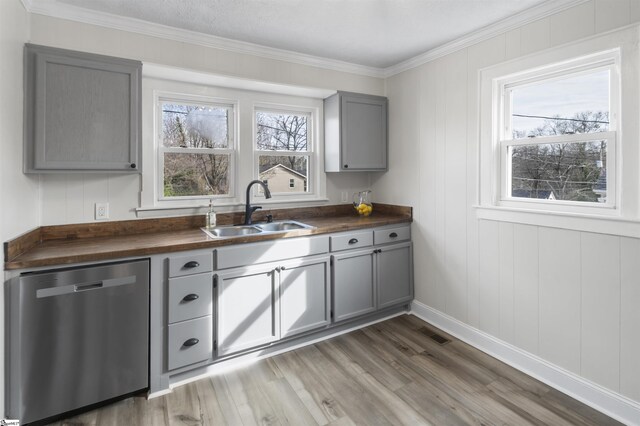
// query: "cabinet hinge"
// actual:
[[331, 314], [215, 281], [331, 262], [215, 345]]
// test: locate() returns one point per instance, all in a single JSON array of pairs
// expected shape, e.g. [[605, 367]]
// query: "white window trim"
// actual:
[[231, 150], [244, 96], [313, 146], [620, 219]]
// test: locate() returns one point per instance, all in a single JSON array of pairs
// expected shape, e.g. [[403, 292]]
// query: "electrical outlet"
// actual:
[[344, 196], [102, 211]]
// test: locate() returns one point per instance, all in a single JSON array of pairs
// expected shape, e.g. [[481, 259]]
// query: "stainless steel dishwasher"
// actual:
[[76, 337]]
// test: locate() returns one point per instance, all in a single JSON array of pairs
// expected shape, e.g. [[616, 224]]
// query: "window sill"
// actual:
[[574, 221], [188, 210]]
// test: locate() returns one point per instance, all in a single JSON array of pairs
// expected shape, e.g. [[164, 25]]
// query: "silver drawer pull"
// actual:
[[393, 235], [191, 342], [190, 297], [192, 264], [353, 241]]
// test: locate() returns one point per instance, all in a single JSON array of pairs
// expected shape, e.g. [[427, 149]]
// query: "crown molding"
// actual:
[[79, 14], [103, 19], [525, 17]]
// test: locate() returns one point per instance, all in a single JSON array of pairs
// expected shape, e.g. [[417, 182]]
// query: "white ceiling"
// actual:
[[371, 33]]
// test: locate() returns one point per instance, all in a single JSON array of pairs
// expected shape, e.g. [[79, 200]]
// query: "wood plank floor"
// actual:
[[391, 373]]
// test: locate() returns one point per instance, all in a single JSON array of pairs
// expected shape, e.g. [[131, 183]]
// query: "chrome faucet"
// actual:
[[249, 209]]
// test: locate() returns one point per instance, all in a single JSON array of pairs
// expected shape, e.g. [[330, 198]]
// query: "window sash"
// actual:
[[506, 169], [507, 85], [310, 153], [230, 150]]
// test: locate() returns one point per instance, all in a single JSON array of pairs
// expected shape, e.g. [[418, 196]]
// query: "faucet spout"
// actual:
[[249, 209]]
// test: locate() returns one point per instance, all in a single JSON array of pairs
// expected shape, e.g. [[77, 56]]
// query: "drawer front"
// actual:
[[190, 297], [392, 235], [190, 264], [351, 240], [190, 342]]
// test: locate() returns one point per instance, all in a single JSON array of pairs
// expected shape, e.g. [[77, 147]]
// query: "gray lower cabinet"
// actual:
[[354, 289], [258, 305], [372, 278], [395, 274], [189, 309], [247, 308], [304, 296], [82, 112]]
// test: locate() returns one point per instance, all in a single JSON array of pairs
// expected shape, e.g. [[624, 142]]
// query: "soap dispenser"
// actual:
[[210, 217]]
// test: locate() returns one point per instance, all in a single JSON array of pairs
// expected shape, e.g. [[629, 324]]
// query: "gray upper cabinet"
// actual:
[[82, 112], [355, 132]]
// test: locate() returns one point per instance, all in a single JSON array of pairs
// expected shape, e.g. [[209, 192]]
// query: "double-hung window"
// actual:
[[556, 135], [284, 150], [196, 150]]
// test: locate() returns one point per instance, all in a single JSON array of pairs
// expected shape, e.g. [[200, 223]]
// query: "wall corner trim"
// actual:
[[604, 400]]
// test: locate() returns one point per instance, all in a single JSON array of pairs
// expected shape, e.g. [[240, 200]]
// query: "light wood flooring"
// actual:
[[390, 373]]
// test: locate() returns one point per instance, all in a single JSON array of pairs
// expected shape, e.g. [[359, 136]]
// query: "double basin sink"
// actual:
[[258, 228]]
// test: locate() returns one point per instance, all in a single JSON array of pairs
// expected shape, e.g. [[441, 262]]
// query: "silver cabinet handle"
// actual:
[[353, 241]]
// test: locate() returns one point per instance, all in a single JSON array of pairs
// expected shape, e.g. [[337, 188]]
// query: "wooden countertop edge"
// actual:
[[18, 263]]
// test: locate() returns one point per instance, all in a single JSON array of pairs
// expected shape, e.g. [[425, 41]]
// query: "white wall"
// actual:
[[18, 193], [70, 198], [568, 297]]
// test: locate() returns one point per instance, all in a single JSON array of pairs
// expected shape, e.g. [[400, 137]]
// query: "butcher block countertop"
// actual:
[[66, 244]]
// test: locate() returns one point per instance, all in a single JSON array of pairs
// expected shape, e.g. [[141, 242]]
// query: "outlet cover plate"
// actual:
[[102, 211]]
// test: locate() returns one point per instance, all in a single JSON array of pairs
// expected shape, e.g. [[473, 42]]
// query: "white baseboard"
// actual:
[[610, 403]]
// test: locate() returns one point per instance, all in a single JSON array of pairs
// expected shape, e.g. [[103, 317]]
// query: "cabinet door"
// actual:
[[304, 296], [353, 284], [363, 132], [247, 308], [82, 111], [395, 274]]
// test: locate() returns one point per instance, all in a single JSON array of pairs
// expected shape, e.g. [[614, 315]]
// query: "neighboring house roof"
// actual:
[[293, 172], [527, 193]]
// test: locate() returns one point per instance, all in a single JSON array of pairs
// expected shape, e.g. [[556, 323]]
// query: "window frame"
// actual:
[[231, 150], [502, 141], [311, 152], [243, 94]]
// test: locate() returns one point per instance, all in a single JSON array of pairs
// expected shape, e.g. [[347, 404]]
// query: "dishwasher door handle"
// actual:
[[85, 287], [78, 288]]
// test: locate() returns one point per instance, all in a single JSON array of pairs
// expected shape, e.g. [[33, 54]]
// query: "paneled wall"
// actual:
[[19, 193], [70, 198], [568, 297]]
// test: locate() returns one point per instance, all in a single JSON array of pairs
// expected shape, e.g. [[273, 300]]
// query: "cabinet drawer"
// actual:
[[391, 235], [190, 264], [189, 297], [351, 240], [190, 342]]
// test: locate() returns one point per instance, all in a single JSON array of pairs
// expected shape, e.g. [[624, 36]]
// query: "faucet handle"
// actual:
[[269, 218]]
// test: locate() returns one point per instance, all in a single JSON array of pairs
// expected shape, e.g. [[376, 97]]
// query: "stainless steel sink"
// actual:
[[258, 228], [286, 225], [232, 231]]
